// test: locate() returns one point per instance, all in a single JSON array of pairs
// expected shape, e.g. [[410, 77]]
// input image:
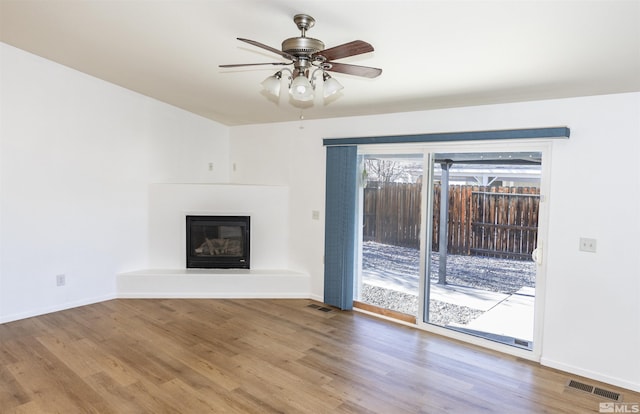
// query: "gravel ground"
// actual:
[[441, 313], [390, 280]]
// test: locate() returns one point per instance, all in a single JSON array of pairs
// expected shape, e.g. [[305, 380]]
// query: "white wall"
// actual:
[[592, 309], [76, 157], [268, 207]]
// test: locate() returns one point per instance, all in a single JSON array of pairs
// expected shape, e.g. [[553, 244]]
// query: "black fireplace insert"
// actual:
[[218, 242]]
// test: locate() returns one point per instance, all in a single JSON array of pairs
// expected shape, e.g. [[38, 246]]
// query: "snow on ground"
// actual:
[[390, 279]]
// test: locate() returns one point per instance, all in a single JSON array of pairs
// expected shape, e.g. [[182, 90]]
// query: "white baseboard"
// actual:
[[60, 307], [212, 295], [590, 374], [196, 284], [317, 298]]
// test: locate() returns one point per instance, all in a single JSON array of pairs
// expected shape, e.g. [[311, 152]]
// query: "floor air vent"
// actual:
[[320, 308], [594, 390], [607, 394], [580, 386]]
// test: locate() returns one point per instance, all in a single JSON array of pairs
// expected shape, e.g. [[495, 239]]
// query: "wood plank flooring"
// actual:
[[261, 356]]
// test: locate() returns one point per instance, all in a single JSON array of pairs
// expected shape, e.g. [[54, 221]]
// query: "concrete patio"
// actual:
[[488, 297], [504, 315]]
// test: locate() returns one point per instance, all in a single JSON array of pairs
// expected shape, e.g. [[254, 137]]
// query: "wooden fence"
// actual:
[[489, 221]]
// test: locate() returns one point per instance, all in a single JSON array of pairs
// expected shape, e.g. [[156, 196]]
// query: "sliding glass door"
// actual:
[[446, 240], [389, 273], [484, 229]]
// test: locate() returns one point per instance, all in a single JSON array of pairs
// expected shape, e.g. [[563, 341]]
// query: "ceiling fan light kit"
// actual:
[[331, 86], [272, 84], [308, 57], [301, 88]]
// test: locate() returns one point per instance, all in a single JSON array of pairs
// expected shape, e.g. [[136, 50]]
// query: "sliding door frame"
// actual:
[[428, 150]]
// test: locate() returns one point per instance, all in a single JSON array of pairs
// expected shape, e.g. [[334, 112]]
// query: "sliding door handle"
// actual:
[[536, 255]]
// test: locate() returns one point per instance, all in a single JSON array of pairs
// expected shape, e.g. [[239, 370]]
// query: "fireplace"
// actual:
[[218, 242]]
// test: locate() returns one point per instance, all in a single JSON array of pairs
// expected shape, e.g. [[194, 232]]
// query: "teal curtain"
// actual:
[[340, 226]]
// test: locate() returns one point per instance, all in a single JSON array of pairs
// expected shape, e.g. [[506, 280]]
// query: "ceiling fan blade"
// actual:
[[269, 48], [236, 65], [357, 47], [366, 71]]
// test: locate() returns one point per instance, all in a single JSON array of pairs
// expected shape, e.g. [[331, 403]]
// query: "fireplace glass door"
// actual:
[[218, 242]]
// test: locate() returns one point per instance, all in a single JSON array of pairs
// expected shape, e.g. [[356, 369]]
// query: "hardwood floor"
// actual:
[[261, 356]]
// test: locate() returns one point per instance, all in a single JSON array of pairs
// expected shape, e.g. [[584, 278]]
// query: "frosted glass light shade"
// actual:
[[272, 84], [301, 89], [331, 85]]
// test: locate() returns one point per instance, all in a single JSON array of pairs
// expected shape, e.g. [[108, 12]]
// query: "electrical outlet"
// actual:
[[315, 215], [61, 280], [587, 245]]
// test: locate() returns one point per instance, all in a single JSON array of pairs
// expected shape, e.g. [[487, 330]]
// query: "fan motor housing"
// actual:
[[302, 46]]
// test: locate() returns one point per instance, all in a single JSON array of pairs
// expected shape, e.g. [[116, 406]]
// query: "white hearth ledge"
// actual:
[[213, 283]]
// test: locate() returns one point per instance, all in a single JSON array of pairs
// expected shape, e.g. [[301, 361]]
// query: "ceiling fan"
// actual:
[[308, 57]]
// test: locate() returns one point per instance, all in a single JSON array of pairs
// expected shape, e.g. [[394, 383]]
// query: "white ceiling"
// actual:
[[434, 54]]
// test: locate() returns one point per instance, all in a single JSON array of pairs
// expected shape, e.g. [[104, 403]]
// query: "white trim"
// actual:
[[317, 298], [213, 295], [590, 374], [57, 308], [479, 341]]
